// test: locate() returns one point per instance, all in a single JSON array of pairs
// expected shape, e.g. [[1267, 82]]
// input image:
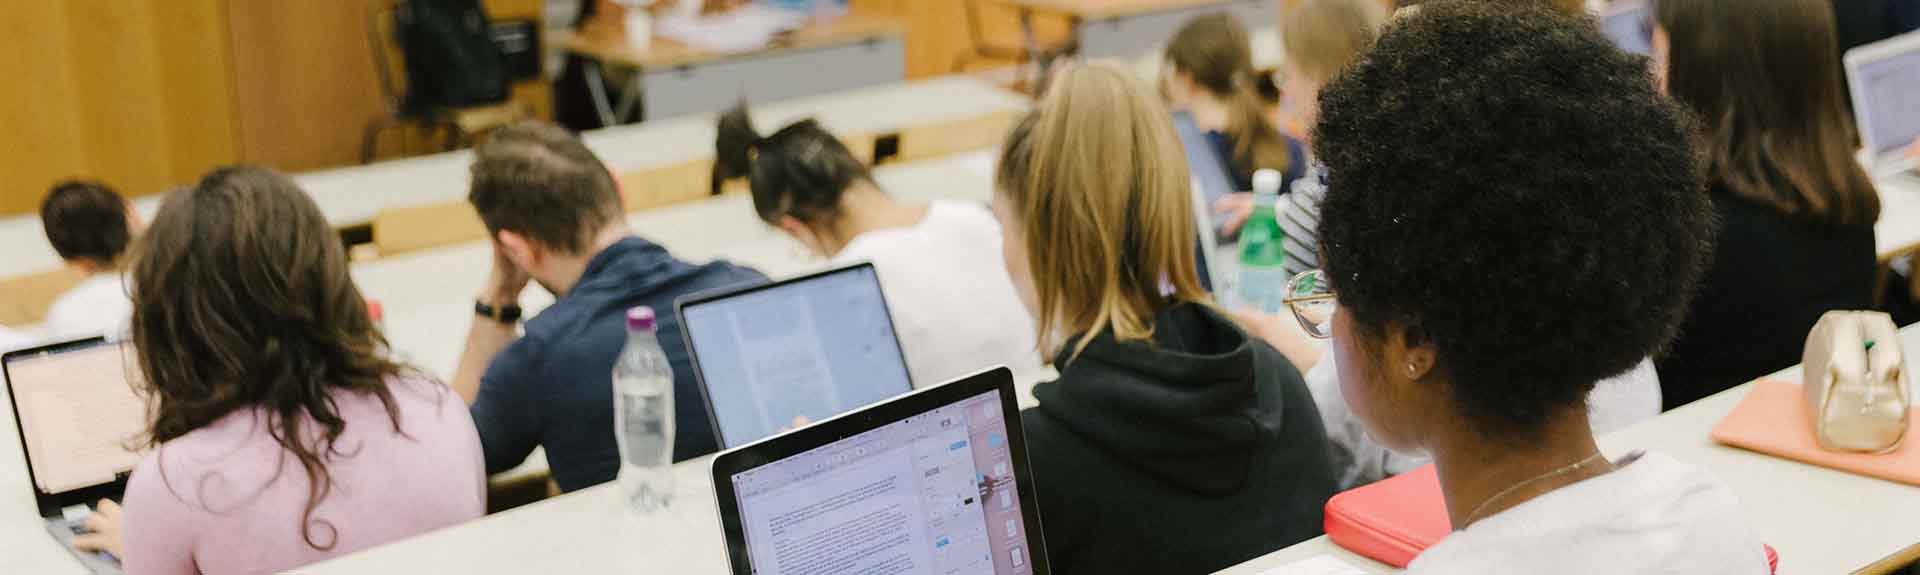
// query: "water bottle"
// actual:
[[1263, 253], [643, 416]]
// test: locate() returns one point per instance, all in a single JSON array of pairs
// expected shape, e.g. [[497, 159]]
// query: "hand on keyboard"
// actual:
[[101, 532]]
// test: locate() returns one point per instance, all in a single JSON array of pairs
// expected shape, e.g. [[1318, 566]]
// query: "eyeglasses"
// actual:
[[1311, 299]]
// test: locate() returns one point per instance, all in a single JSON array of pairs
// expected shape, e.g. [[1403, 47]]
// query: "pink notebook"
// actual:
[[1773, 419]]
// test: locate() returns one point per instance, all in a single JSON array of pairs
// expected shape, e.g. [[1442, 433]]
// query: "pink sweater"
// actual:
[[226, 498]]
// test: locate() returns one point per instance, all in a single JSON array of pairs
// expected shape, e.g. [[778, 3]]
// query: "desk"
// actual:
[[1898, 231], [675, 79], [1820, 520], [1124, 29]]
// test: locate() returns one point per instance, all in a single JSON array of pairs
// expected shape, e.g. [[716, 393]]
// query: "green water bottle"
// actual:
[[1263, 254]]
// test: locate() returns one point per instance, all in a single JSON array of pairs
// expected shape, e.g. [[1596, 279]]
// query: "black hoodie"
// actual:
[[1191, 454]]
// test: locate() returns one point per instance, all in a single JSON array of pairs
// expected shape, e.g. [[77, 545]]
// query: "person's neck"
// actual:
[[1476, 473], [864, 208], [568, 269], [92, 268], [1210, 113]]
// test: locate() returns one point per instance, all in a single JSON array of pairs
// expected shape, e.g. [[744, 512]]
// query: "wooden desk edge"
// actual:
[[1081, 11], [1891, 563], [849, 29]]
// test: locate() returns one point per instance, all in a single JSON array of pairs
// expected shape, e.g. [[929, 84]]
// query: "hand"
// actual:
[[1283, 333], [1236, 207], [507, 280], [105, 527], [1914, 152]]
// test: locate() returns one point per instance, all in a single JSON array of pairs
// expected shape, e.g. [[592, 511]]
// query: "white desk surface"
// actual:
[[1820, 520], [1899, 225], [355, 194]]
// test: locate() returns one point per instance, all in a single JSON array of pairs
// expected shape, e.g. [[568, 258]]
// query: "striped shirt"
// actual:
[[1299, 215]]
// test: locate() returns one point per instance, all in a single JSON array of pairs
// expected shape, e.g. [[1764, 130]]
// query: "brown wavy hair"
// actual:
[[242, 301]]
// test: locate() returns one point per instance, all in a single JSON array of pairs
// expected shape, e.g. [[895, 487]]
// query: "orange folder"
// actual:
[[1773, 419]]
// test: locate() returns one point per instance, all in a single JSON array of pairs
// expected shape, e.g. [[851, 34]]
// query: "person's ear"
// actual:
[[1410, 355], [524, 252]]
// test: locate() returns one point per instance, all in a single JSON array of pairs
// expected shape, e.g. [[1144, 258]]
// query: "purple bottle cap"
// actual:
[[640, 318]]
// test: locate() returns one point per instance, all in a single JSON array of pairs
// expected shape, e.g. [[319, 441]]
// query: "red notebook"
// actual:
[[1395, 519], [1390, 521]]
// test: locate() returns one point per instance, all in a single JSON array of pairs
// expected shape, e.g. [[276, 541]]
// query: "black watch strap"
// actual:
[[507, 314]]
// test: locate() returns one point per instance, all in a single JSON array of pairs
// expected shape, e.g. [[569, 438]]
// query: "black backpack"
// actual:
[[451, 59]]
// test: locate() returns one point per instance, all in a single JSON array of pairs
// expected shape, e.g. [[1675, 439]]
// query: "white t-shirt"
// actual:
[[11, 339], [1652, 514], [98, 306], [953, 305], [1614, 404]]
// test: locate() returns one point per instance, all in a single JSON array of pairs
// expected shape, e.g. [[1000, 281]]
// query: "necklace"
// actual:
[[1538, 478]]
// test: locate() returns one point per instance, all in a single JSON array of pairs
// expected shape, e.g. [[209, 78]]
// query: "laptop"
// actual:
[[1885, 79], [1629, 23], [809, 347], [1210, 183], [77, 416], [935, 482]]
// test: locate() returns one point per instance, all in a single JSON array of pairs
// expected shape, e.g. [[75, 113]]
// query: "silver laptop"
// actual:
[[78, 417], [1210, 183], [1885, 79], [808, 347]]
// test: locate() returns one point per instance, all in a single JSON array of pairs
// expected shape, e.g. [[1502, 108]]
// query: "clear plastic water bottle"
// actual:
[[643, 416], [1263, 252]]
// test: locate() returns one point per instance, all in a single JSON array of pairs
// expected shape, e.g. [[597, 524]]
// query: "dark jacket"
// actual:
[[1773, 276], [1193, 453], [553, 387]]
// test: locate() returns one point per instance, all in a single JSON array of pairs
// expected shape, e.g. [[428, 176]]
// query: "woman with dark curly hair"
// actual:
[[1514, 214], [285, 435], [1796, 210]]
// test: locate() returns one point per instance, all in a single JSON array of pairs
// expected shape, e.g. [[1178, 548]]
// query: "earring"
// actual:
[[1411, 369]]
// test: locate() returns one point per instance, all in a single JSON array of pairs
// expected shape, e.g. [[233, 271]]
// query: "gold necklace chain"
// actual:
[[1538, 478]]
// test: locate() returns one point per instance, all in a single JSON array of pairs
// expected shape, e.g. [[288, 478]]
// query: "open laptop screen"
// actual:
[[1885, 91], [77, 414], [815, 347], [933, 493]]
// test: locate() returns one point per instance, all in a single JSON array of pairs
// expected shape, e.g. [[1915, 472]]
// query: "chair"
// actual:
[[460, 125], [1019, 51]]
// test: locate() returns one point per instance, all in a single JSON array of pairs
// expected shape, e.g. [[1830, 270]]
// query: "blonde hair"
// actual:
[[1321, 36], [1098, 181]]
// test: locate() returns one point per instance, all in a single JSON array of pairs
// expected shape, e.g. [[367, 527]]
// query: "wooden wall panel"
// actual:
[[304, 81], [135, 93]]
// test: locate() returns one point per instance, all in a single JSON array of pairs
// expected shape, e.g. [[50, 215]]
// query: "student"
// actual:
[[1580, 228], [90, 226], [939, 262], [1796, 211], [1171, 443], [1320, 38], [556, 218], [283, 433], [1209, 74]]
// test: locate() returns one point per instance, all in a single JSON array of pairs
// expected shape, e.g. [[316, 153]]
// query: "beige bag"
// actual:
[[1856, 382]]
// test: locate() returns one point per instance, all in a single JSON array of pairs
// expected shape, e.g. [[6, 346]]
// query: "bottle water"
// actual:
[[643, 416], [1263, 253]]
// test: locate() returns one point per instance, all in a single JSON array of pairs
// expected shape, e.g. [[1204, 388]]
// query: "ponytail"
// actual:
[[733, 148], [800, 171], [1258, 145], [1215, 51]]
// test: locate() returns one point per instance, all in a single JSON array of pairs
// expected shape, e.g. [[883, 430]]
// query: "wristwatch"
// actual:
[[508, 314]]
